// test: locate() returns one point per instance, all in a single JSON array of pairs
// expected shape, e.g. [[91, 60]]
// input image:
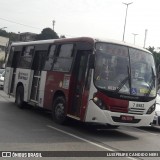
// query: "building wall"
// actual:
[[27, 36], [3, 43]]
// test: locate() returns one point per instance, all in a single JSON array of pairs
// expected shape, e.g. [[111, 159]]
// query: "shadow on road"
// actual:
[[152, 129], [39, 115]]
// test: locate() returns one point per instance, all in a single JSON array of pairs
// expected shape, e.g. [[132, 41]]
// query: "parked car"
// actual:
[[156, 120], [2, 79], [1, 71]]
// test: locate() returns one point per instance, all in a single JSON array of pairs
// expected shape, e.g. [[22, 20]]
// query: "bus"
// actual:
[[90, 80]]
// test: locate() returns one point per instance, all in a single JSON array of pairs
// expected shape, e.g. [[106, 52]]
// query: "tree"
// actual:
[[47, 33], [12, 36], [62, 36], [3, 33]]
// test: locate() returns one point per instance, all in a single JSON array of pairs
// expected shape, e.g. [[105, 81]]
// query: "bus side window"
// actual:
[[38, 60], [49, 60], [16, 58], [63, 61], [10, 57], [26, 57]]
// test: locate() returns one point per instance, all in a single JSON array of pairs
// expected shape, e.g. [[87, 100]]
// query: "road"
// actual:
[[32, 129]]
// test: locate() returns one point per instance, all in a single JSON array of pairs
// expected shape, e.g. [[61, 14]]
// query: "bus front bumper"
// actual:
[[96, 115]]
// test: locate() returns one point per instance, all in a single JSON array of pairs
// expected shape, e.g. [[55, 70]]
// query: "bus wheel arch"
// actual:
[[19, 98], [59, 108]]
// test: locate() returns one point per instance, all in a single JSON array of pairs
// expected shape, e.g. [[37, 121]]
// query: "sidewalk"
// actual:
[[5, 98]]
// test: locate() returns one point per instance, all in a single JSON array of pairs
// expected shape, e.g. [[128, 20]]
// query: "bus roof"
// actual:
[[86, 39], [111, 41], [54, 41]]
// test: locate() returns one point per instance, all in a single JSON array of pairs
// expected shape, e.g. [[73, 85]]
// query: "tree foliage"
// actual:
[[12, 36], [47, 33]]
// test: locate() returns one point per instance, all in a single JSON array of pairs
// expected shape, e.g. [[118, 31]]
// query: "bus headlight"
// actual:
[[151, 109], [99, 103]]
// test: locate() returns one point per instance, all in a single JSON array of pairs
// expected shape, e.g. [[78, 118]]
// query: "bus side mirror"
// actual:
[[91, 61]]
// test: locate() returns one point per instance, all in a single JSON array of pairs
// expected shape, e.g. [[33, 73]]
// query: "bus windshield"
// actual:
[[124, 70]]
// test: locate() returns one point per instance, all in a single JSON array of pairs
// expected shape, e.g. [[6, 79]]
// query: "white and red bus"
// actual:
[[90, 80]]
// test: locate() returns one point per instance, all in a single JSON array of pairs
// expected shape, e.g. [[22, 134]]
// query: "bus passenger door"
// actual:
[[14, 66], [11, 67], [38, 63], [79, 78]]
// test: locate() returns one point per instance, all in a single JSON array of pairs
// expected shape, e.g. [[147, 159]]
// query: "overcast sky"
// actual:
[[96, 18]]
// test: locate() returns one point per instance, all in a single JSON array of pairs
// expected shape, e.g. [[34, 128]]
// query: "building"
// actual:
[[27, 36], [3, 43]]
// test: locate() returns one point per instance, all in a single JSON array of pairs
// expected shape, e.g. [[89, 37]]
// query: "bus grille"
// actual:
[[119, 109], [139, 111]]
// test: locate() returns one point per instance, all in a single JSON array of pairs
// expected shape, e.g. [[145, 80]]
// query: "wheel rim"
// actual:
[[59, 111]]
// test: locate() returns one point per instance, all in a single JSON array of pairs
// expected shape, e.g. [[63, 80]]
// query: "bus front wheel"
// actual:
[[20, 96], [58, 113]]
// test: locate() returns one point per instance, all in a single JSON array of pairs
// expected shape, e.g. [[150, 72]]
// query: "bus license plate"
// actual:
[[127, 118]]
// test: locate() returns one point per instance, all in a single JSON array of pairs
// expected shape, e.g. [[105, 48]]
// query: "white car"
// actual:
[[2, 79], [1, 71], [156, 120]]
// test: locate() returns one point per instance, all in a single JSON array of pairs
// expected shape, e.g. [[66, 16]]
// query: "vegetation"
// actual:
[[12, 36], [46, 33]]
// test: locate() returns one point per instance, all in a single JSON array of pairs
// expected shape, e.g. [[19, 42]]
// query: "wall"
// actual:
[[3, 42]]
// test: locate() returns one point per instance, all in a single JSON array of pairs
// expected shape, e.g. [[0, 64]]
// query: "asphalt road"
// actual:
[[32, 129]]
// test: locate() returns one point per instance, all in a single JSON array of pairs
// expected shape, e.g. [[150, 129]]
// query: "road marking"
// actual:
[[85, 140]]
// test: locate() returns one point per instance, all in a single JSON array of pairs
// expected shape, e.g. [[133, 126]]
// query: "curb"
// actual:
[[5, 98]]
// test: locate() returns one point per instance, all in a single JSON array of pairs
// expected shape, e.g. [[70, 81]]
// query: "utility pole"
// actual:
[[145, 37], [53, 22], [134, 34], [127, 4]]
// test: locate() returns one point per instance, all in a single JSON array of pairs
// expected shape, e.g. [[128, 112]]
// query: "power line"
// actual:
[[19, 23], [29, 26]]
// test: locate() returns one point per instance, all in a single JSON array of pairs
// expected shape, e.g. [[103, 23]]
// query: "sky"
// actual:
[[96, 18]]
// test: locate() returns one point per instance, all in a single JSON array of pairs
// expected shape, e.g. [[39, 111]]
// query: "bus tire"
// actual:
[[58, 110], [20, 96]]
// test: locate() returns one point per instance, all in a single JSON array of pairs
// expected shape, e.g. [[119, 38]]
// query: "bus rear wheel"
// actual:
[[58, 113], [20, 97]]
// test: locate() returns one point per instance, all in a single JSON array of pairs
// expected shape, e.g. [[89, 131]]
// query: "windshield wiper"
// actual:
[[151, 82], [122, 83]]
